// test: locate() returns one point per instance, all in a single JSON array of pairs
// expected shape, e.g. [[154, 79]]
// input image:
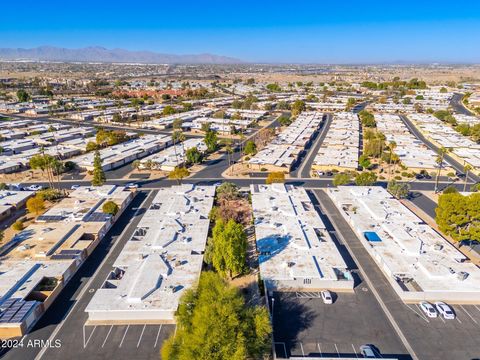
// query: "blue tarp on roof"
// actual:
[[371, 236]]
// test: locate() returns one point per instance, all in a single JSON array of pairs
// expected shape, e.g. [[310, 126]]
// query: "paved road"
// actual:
[[458, 106], [99, 124], [303, 169], [215, 168], [455, 164], [423, 338], [66, 315], [424, 203]]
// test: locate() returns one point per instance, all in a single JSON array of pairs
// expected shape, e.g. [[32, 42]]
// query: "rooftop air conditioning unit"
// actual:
[[462, 275]]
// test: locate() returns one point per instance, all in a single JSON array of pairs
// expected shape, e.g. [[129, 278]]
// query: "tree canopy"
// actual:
[[341, 179], [99, 177], [179, 173], [459, 216], [228, 248], [35, 205], [275, 177], [193, 156], [109, 207], [214, 323], [366, 179], [211, 140]]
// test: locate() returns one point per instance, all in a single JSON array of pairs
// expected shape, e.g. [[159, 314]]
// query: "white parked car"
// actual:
[[428, 309], [369, 351], [75, 187], [327, 297], [131, 186], [445, 310], [35, 187]]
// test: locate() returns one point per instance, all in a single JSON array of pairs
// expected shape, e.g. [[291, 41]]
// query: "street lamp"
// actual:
[[273, 304]]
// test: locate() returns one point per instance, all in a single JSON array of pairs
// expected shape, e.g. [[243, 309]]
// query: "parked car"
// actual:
[[327, 297], [74, 187], [428, 309], [34, 187], [445, 310], [131, 186], [369, 351]]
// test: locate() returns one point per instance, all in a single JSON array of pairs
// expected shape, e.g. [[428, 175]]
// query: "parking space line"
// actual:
[[284, 348], [354, 351], [106, 337], [319, 349], [141, 335], [123, 338], [158, 334], [476, 307], [85, 345], [441, 318], [301, 346], [470, 316], [419, 314], [456, 318], [336, 348]]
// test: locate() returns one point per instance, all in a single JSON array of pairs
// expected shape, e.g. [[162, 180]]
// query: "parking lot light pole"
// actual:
[[273, 304]]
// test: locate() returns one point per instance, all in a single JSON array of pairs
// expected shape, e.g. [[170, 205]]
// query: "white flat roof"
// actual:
[[292, 240], [409, 248], [162, 259]]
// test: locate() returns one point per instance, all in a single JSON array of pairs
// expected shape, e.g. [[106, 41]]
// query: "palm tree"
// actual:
[[175, 139], [466, 169], [439, 160], [391, 146]]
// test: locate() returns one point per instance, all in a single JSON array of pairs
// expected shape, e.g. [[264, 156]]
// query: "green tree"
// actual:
[[350, 104], [36, 205], [3, 186], [364, 161], [459, 216], [18, 225], [110, 207], [168, 110], [193, 156], [229, 248], [178, 174], [367, 119], [398, 190], [439, 160], [284, 120], [23, 96], [91, 146], [227, 191], [177, 124], [274, 87], [366, 179], [297, 107], [214, 323], [99, 177], [275, 177], [211, 140], [250, 148], [341, 179]]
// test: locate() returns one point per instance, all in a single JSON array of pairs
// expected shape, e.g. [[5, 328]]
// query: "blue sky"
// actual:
[[259, 31]]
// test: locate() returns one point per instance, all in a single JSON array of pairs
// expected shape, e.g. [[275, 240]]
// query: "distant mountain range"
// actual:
[[100, 54]]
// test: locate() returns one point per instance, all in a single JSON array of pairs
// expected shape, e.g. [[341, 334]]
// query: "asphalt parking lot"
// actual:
[[427, 338], [119, 342], [305, 326]]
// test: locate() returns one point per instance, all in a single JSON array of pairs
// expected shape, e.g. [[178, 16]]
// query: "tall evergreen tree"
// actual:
[[98, 173]]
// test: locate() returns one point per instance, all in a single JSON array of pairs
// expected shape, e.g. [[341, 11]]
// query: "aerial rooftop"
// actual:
[[296, 250], [417, 260], [161, 260]]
